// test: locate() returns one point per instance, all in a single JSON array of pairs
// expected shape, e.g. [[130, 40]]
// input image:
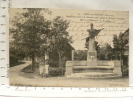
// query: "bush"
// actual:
[[125, 71], [13, 60], [80, 54], [56, 71], [53, 63]]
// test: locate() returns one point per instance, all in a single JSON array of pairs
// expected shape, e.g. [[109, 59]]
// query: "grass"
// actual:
[[28, 69], [29, 73]]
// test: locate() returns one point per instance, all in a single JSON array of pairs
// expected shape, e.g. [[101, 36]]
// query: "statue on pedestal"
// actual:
[[90, 40], [90, 45]]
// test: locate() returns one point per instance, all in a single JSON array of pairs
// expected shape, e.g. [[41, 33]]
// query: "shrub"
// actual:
[[80, 55], [125, 71], [53, 71], [53, 63]]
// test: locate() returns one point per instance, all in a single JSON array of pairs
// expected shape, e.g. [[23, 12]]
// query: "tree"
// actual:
[[15, 55], [97, 48], [116, 47], [80, 55], [105, 52], [108, 51], [59, 38], [119, 43], [28, 28]]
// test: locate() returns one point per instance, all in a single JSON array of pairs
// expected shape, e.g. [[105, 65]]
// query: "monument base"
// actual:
[[92, 63], [92, 58], [91, 69]]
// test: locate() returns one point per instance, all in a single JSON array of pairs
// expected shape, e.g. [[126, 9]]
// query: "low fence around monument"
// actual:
[[81, 64], [105, 63], [103, 66], [115, 63]]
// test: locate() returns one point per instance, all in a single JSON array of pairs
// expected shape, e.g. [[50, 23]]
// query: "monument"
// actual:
[[90, 45], [92, 67]]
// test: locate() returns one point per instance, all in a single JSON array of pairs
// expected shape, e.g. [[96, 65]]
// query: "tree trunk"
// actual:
[[60, 60], [121, 60], [60, 63], [33, 62]]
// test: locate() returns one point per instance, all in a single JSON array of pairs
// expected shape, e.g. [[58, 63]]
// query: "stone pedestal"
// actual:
[[117, 68], [92, 63], [91, 58], [69, 70], [72, 55], [69, 67], [91, 44]]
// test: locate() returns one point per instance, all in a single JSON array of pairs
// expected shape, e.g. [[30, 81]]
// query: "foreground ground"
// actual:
[[19, 78]]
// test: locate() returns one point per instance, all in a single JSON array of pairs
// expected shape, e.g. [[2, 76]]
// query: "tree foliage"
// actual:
[[119, 45], [33, 35], [119, 49], [59, 37], [27, 29], [105, 52]]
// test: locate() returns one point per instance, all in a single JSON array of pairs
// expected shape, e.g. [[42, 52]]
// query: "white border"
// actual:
[[122, 5]]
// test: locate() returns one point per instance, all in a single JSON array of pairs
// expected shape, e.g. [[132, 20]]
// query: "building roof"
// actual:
[[126, 35]]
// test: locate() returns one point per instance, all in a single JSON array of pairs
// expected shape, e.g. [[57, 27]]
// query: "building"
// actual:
[[126, 53]]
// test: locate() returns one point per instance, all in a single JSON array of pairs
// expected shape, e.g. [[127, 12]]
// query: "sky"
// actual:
[[113, 22]]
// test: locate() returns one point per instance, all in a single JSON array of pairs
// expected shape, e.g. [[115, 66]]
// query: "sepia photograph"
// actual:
[[68, 47]]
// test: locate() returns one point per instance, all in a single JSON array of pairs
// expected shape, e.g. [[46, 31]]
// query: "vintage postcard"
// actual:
[[69, 47]]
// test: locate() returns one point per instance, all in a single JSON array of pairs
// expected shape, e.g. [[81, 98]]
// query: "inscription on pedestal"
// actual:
[[92, 56]]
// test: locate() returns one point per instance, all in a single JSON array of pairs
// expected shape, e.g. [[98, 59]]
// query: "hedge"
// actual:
[[53, 71]]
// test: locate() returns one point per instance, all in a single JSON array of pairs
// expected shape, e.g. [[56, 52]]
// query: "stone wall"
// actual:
[[105, 63], [81, 66], [117, 63]]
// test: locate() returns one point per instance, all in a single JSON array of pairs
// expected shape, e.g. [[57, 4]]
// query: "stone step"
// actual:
[[93, 67], [92, 70], [105, 77], [86, 69], [94, 75]]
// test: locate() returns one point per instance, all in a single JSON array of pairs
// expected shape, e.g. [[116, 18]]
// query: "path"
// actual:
[[15, 72]]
